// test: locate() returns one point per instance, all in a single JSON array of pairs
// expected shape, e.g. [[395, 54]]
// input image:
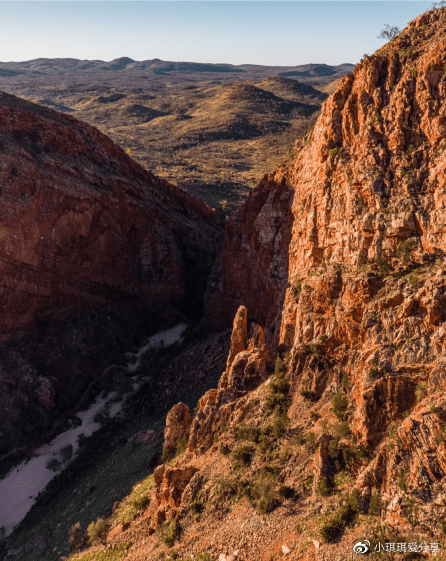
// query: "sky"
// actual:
[[236, 32]]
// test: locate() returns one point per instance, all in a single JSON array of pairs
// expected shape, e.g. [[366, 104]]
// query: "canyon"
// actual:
[[94, 250], [326, 430]]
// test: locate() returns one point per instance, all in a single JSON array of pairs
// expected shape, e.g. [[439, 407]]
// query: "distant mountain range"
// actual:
[[41, 66]]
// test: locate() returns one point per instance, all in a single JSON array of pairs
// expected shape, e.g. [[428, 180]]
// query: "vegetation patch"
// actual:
[[115, 554], [241, 456], [346, 514]]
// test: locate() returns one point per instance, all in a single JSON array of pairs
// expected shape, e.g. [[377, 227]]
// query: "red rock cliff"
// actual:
[[83, 225], [370, 174], [368, 177]]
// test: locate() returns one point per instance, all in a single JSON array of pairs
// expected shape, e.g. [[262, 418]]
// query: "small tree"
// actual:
[[353, 500], [375, 504], [66, 453], [421, 391], [405, 250], [74, 535], [389, 32], [440, 4], [96, 530], [312, 442], [340, 405], [402, 479], [54, 465]]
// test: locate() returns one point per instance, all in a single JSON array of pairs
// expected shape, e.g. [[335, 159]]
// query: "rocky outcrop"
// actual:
[[370, 174], [170, 483], [178, 424], [252, 269]]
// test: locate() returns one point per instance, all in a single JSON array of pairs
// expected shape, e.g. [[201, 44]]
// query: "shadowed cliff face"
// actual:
[[253, 266], [95, 253], [83, 225]]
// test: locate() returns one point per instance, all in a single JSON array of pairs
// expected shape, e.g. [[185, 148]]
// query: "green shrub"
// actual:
[[345, 381], [181, 445], [299, 439], [441, 436], [284, 456], [323, 337], [310, 348], [313, 416], [264, 493], [442, 525], [340, 405], [375, 504], [421, 390], [204, 556], [362, 260], [225, 450], [172, 531], [168, 454], [263, 443], [414, 279], [97, 530], [333, 448], [310, 395], [196, 507], [140, 503], [74, 535], [334, 152], [270, 471], [277, 398], [353, 500], [346, 514], [280, 424], [227, 489], [384, 268], [297, 289], [242, 455], [311, 441], [405, 250], [248, 433], [392, 430], [342, 430], [307, 484], [323, 487]]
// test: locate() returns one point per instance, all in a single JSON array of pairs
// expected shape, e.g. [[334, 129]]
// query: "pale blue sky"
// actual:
[[267, 33]]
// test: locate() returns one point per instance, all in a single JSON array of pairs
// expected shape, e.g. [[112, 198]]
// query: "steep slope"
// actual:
[[369, 175], [85, 228], [359, 378]]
